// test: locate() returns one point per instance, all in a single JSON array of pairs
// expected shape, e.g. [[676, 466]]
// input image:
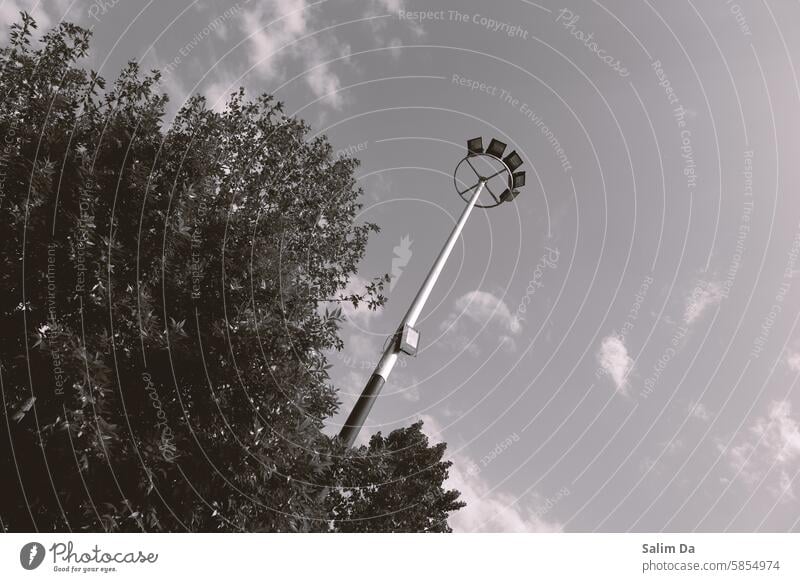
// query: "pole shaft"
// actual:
[[422, 296], [361, 409], [355, 421]]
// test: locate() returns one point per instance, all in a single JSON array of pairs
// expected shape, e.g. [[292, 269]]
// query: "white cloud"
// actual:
[[401, 255], [484, 309], [274, 30], [784, 488], [396, 46], [704, 295], [793, 361], [10, 9], [491, 511], [486, 510], [382, 13], [614, 359], [658, 466], [390, 5], [269, 32], [672, 447], [481, 306], [698, 410], [508, 342], [325, 84], [772, 442]]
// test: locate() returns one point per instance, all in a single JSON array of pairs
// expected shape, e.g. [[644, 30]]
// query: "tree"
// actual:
[[163, 346], [394, 484]]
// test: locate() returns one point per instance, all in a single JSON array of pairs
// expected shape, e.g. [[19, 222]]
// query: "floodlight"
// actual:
[[475, 146], [406, 338], [508, 195], [409, 340], [496, 148], [513, 161]]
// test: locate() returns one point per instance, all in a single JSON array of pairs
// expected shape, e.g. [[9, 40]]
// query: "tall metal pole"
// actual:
[[362, 408]]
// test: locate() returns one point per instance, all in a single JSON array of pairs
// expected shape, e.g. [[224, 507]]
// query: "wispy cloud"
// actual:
[[46, 14], [793, 361], [389, 5], [396, 46], [480, 308], [614, 359], [402, 254], [772, 446], [385, 25], [699, 411], [704, 295], [282, 30]]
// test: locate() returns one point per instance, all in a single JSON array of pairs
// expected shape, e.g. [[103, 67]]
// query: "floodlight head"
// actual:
[[513, 161], [495, 172], [475, 146], [496, 148], [508, 195]]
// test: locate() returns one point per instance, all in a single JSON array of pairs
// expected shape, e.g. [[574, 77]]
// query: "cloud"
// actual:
[[389, 5], [375, 10], [487, 510], [784, 489], [508, 342], [491, 511], [704, 295], [269, 31], [699, 411], [483, 309], [10, 9], [381, 14], [218, 91], [772, 442], [402, 254], [672, 447], [396, 46], [481, 306], [793, 361], [274, 31], [614, 359]]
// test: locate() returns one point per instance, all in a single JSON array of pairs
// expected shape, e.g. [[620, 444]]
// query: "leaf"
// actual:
[[26, 406]]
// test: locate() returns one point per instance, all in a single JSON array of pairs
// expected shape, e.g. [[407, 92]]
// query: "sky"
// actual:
[[616, 350]]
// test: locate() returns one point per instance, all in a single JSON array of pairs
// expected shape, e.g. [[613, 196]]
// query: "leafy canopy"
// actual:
[[162, 348]]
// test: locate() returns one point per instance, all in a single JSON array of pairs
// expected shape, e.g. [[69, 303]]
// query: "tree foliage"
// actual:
[[387, 486], [162, 353]]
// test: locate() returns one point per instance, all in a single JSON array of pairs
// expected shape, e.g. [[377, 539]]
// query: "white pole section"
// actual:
[[362, 408]]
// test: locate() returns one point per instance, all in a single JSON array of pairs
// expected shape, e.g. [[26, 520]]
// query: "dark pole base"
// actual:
[[361, 410]]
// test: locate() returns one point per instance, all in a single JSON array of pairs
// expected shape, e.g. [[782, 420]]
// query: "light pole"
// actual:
[[494, 168]]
